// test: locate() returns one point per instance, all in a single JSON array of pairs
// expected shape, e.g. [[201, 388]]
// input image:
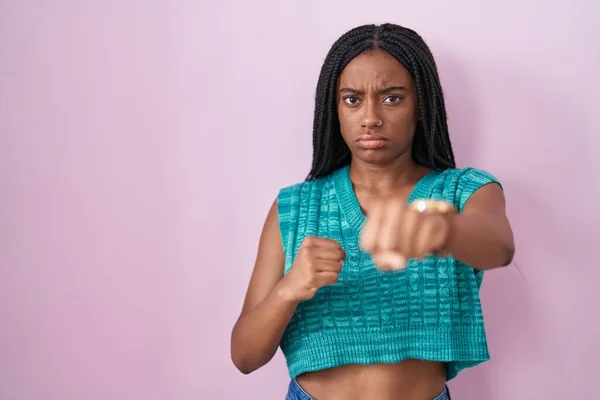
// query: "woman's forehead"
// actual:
[[375, 68]]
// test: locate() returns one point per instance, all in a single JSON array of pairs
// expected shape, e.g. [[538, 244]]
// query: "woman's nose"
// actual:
[[371, 122], [371, 118]]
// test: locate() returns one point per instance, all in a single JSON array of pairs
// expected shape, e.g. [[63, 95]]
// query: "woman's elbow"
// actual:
[[244, 364], [243, 368], [508, 253]]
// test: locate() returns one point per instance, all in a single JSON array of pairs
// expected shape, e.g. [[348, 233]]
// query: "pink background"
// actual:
[[139, 154]]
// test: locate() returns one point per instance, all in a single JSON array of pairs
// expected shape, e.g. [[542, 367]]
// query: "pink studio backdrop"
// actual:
[[142, 142]]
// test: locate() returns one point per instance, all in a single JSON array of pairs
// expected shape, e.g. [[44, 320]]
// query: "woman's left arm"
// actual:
[[481, 235]]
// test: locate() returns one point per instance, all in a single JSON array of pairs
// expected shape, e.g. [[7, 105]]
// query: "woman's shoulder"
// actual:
[[308, 185], [468, 175], [457, 185]]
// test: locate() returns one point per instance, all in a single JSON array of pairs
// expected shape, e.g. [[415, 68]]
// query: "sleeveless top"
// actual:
[[430, 310]]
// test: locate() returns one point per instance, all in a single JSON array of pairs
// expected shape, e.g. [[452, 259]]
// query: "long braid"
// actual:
[[431, 146]]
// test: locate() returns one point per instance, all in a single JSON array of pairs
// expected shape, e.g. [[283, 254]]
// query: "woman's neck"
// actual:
[[385, 179]]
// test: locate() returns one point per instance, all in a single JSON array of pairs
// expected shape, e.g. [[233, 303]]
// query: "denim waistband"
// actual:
[[295, 392]]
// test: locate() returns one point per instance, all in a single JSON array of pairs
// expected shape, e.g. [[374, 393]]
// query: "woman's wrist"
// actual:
[[448, 213], [446, 249]]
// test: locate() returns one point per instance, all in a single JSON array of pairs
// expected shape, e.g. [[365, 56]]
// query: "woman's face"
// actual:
[[377, 107]]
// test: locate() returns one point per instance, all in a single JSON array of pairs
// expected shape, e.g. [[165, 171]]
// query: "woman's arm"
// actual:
[[481, 235], [267, 308]]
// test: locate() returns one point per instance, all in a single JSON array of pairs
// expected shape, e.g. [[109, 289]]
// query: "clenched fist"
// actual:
[[317, 264], [395, 231]]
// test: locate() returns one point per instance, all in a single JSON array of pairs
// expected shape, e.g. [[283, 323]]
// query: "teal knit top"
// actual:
[[430, 310]]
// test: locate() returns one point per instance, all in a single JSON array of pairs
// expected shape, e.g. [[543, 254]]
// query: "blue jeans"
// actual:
[[295, 392]]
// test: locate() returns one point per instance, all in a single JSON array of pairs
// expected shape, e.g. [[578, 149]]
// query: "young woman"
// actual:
[[368, 272]]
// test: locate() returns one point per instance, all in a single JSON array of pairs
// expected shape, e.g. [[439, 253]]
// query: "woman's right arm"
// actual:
[[268, 307], [272, 299]]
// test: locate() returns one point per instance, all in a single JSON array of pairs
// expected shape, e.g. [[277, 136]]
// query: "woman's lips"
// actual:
[[371, 141]]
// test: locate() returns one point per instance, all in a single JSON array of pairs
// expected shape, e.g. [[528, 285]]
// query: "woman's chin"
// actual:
[[374, 156]]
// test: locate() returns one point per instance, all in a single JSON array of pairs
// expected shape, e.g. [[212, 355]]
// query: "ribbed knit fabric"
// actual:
[[430, 310]]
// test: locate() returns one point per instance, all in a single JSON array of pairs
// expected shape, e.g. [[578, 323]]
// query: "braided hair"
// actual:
[[431, 144]]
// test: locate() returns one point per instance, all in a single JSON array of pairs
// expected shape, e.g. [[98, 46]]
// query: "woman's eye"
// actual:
[[351, 100], [393, 99]]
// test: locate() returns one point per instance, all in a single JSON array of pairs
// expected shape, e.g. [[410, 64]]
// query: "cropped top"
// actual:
[[430, 310]]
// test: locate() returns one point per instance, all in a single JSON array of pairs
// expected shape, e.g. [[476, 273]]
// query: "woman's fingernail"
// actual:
[[398, 262], [398, 265], [390, 261]]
